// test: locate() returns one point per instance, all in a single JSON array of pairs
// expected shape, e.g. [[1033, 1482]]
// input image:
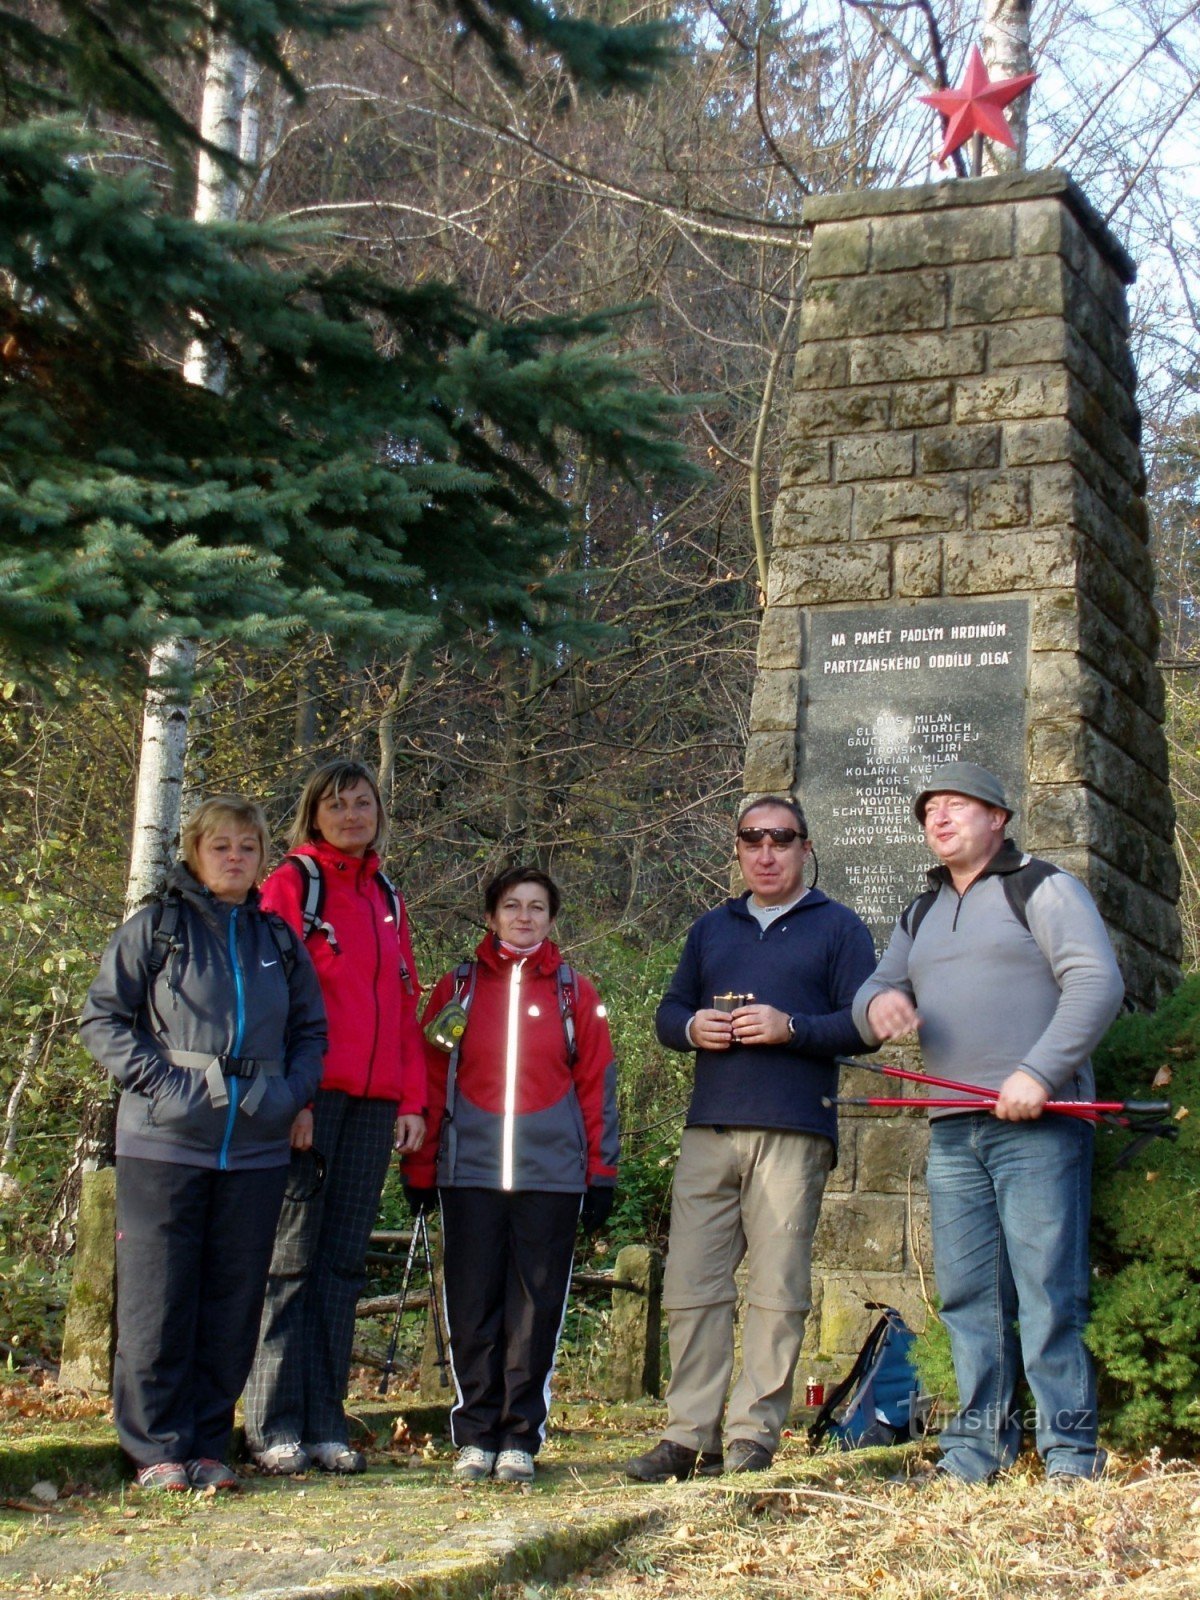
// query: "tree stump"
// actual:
[[88, 1337], [634, 1361]]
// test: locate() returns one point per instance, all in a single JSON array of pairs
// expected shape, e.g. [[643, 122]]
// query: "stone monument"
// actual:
[[961, 568]]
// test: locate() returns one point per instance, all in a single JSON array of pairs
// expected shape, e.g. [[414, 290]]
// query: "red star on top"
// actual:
[[976, 106]]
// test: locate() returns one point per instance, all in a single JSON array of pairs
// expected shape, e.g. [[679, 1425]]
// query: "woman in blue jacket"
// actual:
[[207, 1013]]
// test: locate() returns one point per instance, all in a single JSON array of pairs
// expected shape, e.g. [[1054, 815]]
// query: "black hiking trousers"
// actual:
[[193, 1248], [507, 1273]]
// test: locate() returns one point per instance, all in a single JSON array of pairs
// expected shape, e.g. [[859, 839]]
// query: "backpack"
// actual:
[[166, 941], [312, 907], [879, 1400], [1018, 886]]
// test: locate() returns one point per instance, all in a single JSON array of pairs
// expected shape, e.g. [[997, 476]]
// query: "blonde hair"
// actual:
[[331, 777], [215, 812]]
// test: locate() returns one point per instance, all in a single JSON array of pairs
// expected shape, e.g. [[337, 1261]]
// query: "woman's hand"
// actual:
[[302, 1130], [410, 1133]]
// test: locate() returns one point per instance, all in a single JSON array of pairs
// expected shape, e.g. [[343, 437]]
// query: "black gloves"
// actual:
[[419, 1200], [597, 1207]]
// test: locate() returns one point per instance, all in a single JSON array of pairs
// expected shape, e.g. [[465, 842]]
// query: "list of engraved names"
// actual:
[[890, 696]]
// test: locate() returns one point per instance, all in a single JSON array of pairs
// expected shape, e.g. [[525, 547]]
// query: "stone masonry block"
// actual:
[[1034, 341], [770, 763], [918, 567], [806, 461], [775, 703], [1005, 563], [917, 355], [1113, 653], [1006, 290], [780, 640], [864, 1231], [822, 575], [841, 1179], [1031, 443], [845, 1320], [918, 505], [1052, 494], [1061, 818], [1000, 500], [1045, 227], [922, 405], [959, 449], [1071, 752], [891, 1155], [1127, 551], [1054, 623], [812, 515], [839, 411], [1024, 394], [878, 455], [1113, 443], [1097, 326], [941, 240], [837, 308], [822, 366], [1109, 587], [839, 249], [1062, 684], [1134, 907]]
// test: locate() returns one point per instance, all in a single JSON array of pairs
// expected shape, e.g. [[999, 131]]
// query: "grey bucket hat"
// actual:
[[962, 777]]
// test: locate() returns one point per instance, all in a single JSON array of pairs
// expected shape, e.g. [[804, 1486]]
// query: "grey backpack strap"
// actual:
[[565, 980], [464, 991], [392, 896], [313, 900]]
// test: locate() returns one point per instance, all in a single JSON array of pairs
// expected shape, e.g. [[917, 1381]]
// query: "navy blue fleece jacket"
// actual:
[[809, 963]]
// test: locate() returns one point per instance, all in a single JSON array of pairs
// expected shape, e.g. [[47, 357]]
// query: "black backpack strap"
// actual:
[[823, 1421], [916, 911], [392, 897], [284, 937], [464, 992], [1019, 885], [166, 935], [312, 899], [565, 980]]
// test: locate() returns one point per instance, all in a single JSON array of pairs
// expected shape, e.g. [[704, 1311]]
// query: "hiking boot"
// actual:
[[282, 1460], [710, 1464], [164, 1475], [333, 1456], [472, 1463], [514, 1466], [666, 1461], [205, 1473], [747, 1455]]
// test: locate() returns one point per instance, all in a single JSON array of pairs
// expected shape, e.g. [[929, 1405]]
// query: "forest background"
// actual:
[[613, 759]]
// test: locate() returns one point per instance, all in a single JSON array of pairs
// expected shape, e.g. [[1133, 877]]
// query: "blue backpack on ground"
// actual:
[[879, 1400]]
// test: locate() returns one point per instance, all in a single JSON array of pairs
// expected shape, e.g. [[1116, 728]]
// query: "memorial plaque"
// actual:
[[889, 695]]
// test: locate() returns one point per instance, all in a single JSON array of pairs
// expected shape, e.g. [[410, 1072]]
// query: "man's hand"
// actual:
[[302, 1130], [1021, 1098], [760, 1024], [891, 1015], [711, 1030], [410, 1133]]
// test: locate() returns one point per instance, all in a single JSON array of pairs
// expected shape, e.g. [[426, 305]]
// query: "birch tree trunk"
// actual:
[[160, 784], [1006, 54]]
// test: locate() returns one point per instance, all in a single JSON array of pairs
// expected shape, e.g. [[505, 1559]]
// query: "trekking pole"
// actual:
[[1087, 1111], [389, 1366], [439, 1341]]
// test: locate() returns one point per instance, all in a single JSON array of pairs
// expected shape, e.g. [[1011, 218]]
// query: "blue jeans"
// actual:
[[1011, 1203]]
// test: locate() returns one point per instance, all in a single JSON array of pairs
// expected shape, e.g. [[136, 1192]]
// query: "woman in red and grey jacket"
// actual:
[[330, 890], [523, 1125]]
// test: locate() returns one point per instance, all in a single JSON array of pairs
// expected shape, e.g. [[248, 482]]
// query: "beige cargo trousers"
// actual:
[[739, 1192]]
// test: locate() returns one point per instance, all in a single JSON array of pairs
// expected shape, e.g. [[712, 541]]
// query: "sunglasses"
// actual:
[[780, 836]]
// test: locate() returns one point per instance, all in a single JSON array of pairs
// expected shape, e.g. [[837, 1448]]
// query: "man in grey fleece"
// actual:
[[1011, 982]]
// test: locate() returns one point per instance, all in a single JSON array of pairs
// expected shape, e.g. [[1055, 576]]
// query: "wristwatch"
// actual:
[[791, 1030]]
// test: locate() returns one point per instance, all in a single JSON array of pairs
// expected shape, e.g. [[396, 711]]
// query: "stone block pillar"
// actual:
[[963, 429]]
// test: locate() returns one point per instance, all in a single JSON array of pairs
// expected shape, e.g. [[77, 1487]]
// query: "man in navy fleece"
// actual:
[[758, 1145]]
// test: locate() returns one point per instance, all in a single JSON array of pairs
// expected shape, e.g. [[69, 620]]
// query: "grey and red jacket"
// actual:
[[235, 995], [524, 1116], [368, 976]]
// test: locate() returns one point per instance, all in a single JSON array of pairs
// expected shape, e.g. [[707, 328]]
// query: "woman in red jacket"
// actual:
[[523, 1118], [372, 1095]]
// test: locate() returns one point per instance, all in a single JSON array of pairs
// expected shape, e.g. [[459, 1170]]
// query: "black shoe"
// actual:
[[710, 1464], [667, 1460], [747, 1455]]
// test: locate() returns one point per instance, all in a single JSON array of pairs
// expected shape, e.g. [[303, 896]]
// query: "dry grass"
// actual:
[[1136, 1533]]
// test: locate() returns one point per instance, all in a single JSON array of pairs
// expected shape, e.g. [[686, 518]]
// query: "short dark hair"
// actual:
[[495, 891], [783, 802], [331, 777]]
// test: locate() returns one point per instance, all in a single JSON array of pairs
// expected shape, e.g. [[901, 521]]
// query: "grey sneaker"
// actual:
[[283, 1460], [333, 1456], [747, 1455], [514, 1466], [667, 1460], [472, 1463]]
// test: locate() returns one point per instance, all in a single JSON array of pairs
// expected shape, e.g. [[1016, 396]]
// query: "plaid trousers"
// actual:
[[298, 1382]]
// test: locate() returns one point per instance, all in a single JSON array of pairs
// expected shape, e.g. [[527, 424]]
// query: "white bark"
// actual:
[[1006, 54], [157, 808]]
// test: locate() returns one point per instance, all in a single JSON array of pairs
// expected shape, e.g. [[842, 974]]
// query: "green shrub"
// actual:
[[1145, 1326]]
